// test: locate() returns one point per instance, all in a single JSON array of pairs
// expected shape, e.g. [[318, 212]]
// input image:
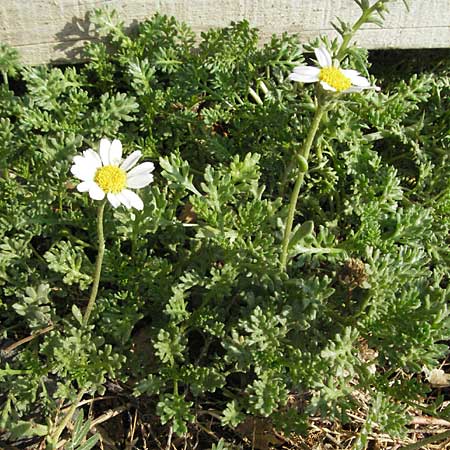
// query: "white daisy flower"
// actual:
[[330, 76], [104, 173]]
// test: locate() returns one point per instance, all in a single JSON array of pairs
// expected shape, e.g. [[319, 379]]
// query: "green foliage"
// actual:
[[79, 357], [79, 434], [194, 313], [174, 407], [221, 445], [9, 61], [35, 306], [66, 259], [232, 414]]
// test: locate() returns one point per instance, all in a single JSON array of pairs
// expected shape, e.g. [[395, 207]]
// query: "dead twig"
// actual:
[[131, 432], [169, 439], [107, 443], [90, 400], [109, 415], [155, 438], [428, 420], [20, 342]]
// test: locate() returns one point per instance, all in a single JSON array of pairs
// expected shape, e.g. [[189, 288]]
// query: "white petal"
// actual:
[[92, 157], [131, 160], [105, 145], [327, 87], [133, 199], [115, 202], [353, 89], [359, 81], [115, 152], [307, 71], [303, 78], [139, 181], [84, 171], [349, 73], [85, 186], [95, 192], [361, 88], [78, 159], [123, 199], [323, 57], [141, 168]]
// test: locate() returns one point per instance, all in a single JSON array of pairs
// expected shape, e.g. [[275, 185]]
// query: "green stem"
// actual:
[[429, 440], [364, 304], [304, 152], [54, 437], [255, 96], [358, 24], [438, 196], [98, 262], [15, 371]]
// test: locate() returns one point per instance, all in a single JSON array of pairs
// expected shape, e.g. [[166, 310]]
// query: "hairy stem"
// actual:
[[98, 263], [358, 24], [304, 152]]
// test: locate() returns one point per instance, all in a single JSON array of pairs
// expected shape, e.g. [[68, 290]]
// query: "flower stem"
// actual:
[[98, 262], [356, 26], [304, 153]]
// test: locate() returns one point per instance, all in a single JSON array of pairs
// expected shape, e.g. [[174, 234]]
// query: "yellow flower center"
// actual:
[[111, 179], [335, 78]]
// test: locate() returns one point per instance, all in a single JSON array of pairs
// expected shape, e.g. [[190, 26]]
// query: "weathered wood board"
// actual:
[[53, 30]]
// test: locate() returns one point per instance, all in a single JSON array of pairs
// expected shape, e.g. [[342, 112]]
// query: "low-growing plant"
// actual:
[[290, 258]]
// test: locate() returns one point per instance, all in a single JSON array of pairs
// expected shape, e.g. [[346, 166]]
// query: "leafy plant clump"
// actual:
[[197, 328]]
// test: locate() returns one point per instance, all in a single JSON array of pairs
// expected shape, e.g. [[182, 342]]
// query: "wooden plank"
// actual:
[[54, 30]]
